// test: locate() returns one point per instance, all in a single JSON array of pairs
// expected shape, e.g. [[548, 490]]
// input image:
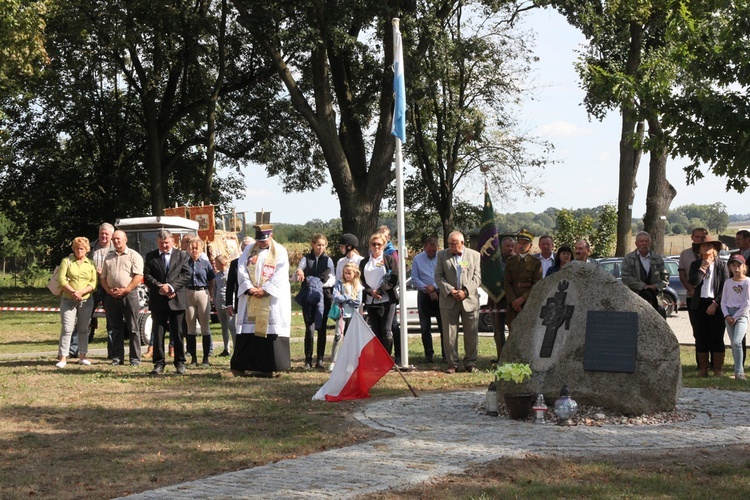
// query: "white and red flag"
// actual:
[[361, 362]]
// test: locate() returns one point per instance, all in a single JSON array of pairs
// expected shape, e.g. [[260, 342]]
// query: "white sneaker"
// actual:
[[330, 367], [84, 362], [61, 364]]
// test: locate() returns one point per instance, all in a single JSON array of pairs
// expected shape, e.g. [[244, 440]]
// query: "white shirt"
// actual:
[[645, 261]]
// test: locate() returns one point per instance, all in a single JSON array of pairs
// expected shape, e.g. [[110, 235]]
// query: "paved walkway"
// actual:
[[443, 433]]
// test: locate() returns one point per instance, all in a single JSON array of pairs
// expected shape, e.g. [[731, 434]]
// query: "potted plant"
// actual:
[[518, 404]]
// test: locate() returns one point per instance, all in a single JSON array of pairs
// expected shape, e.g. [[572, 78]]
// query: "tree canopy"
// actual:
[[463, 97]]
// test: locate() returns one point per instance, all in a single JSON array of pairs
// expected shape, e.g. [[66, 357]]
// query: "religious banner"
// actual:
[[176, 212], [235, 223], [205, 217], [489, 250]]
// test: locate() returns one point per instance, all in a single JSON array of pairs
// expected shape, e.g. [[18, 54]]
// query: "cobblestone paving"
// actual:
[[436, 434]]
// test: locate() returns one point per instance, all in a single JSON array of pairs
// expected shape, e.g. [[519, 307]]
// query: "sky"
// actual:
[[586, 152]]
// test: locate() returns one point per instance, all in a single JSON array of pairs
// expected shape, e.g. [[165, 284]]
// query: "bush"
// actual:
[[34, 275]]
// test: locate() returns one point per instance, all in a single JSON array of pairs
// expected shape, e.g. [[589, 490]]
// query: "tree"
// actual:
[[604, 238], [570, 229], [329, 58], [462, 99], [77, 134], [624, 67], [22, 51], [177, 62], [708, 118], [717, 218], [601, 236]]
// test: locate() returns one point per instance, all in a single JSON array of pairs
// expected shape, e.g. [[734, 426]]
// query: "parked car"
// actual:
[[410, 299], [669, 297], [671, 265]]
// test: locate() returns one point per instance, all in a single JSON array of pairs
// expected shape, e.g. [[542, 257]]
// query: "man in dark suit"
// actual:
[[166, 272], [233, 286], [458, 276]]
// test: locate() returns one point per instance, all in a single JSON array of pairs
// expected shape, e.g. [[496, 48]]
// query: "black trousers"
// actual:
[[708, 328], [161, 322], [428, 309]]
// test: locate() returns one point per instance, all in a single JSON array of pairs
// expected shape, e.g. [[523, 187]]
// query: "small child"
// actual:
[[348, 295], [735, 305], [219, 294]]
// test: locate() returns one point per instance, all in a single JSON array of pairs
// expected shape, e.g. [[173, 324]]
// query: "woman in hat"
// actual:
[[708, 275], [348, 244], [735, 307]]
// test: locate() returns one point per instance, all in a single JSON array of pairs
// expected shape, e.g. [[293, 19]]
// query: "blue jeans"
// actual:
[[736, 334], [74, 316], [227, 326]]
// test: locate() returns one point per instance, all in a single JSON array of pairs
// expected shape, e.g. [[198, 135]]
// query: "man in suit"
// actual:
[[233, 285], [458, 276], [166, 272], [547, 255]]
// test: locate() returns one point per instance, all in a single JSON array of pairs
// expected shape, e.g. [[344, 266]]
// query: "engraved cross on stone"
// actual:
[[554, 314]]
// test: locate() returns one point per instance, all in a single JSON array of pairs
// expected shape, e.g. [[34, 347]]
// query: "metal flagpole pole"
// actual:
[[399, 130]]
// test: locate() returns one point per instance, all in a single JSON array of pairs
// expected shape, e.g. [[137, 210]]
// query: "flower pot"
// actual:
[[519, 405]]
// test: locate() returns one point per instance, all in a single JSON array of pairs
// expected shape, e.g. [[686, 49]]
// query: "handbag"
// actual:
[[54, 284], [334, 312]]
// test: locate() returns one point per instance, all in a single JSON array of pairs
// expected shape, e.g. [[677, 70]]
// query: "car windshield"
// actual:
[[671, 267]]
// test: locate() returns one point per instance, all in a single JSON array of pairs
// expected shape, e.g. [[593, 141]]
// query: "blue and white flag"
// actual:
[[399, 87]]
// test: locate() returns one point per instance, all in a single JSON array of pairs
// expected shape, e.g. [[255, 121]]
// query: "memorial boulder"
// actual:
[[582, 327]]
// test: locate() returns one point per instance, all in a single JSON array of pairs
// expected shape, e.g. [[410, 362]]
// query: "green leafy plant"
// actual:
[[513, 372]]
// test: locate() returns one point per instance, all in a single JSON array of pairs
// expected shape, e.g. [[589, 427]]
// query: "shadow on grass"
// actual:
[[130, 437]]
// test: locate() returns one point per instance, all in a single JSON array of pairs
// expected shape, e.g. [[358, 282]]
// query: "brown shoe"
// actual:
[[171, 351], [470, 369], [450, 370], [150, 352]]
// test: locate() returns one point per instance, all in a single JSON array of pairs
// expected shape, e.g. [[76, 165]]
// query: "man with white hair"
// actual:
[[642, 271], [458, 276]]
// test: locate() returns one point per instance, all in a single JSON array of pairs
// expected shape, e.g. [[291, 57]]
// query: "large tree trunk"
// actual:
[[359, 216], [660, 192], [446, 217], [630, 155]]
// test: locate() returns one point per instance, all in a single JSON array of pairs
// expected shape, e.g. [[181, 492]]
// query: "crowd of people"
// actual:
[[252, 296]]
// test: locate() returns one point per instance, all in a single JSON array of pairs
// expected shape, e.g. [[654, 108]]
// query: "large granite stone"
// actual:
[[657, 380]]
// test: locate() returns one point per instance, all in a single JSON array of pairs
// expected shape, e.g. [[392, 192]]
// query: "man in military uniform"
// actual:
[[522, 271]]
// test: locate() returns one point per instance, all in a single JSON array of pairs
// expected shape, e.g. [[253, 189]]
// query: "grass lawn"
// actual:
[[103, 431]]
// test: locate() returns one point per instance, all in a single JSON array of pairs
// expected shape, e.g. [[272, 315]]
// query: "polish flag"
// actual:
[[361, 362]]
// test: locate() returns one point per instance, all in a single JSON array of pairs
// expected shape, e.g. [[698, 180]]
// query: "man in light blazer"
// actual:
[[458, 277], [166, 272]]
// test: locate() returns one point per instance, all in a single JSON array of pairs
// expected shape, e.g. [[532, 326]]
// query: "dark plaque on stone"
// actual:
[[611, 341]]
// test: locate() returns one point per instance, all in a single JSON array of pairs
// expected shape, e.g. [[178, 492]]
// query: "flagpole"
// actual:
[[398, 60]]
